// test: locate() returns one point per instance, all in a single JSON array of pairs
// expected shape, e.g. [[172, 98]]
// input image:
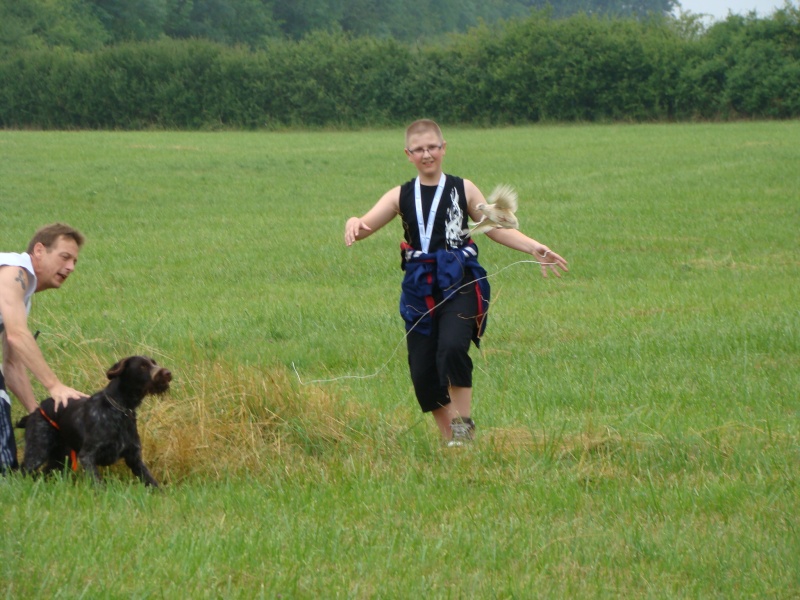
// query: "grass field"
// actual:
[[638, 418]]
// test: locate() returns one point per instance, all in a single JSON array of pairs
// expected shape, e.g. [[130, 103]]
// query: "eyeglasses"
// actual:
[[421, 151]]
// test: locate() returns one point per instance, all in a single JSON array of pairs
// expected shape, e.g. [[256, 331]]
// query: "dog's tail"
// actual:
[[73, 456]]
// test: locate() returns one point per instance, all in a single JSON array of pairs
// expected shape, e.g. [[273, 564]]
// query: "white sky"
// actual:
[[718, 9]]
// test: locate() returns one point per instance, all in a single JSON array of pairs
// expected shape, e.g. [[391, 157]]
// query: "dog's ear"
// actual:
[[117, 369]]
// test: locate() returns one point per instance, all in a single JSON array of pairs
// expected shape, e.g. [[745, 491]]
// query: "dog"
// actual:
[[98, 430]]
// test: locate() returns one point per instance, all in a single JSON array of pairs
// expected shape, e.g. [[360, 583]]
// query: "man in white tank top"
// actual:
[[50, 258]]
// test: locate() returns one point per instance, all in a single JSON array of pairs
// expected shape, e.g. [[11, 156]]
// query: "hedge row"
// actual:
[[523, 71]]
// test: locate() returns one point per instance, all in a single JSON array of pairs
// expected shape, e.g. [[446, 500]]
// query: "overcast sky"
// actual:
[[718, 9]]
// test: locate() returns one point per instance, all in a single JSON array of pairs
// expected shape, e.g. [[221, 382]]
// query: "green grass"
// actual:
[[638, 418]]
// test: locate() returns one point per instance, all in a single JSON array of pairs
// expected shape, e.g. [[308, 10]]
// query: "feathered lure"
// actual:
[[498, 212]]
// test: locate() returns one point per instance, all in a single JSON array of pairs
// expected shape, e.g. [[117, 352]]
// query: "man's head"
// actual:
[[425, 146], [54, 254]]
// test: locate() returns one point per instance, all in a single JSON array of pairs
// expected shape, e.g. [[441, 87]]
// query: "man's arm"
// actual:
[[16, 377], [20, 351]]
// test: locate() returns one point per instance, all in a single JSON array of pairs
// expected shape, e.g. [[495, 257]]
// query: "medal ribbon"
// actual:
[[426, 232]]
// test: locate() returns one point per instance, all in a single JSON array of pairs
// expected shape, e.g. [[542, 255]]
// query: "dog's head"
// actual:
[[140, 375]]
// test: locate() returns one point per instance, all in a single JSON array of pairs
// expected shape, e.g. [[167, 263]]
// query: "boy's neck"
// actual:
[[430, 178]]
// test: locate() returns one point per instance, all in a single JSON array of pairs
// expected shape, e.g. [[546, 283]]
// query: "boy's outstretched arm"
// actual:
[[517, 240], [385, 209]]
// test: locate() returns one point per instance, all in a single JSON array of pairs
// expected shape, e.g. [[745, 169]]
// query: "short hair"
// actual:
[[423, 126], [50, 234]]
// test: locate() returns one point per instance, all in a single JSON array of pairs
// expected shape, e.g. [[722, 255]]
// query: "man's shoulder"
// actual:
[[13, 259], [13, 262]]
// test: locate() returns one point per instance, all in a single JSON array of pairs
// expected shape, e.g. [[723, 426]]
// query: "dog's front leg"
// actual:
[[138, 468]]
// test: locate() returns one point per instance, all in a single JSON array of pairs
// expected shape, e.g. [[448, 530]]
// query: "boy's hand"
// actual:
[[549, 259], [353, 228]]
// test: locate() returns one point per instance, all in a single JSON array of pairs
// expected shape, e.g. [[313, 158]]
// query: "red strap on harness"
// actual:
[[73, 456]]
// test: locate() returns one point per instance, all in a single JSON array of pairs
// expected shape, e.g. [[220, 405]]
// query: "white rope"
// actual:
[[391, 356]]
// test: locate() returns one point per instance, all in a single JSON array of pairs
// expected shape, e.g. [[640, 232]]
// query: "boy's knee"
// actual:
[[452, 351]]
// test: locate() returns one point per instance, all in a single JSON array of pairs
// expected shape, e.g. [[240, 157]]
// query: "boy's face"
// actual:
[[426, 151]]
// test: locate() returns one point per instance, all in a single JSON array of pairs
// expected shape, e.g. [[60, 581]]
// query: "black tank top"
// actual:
[[451, 217]]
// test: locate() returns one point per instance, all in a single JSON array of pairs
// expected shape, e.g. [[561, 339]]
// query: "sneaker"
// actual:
[[463, 429]]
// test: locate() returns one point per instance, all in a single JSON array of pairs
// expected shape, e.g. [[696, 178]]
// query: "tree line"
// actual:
[[90, 24], [527, 70]]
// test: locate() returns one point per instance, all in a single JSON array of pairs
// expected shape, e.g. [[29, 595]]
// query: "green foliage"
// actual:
[[128, 20], [231, 22], [537, 69], [746, 66], [574, 69], [251, 22], [37, 24]]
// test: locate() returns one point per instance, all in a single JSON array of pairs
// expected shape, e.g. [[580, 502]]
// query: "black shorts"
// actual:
[[441, 359]]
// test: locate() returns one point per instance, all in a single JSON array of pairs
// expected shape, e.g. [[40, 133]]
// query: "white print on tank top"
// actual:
[[452, 227]]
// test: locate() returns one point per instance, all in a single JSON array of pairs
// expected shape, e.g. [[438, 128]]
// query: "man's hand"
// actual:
[[62, 394]]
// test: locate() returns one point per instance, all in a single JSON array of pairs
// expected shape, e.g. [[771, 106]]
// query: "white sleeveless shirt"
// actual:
[[12, 259]]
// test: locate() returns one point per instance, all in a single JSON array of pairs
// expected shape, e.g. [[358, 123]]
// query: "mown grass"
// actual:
[[637, 418]]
